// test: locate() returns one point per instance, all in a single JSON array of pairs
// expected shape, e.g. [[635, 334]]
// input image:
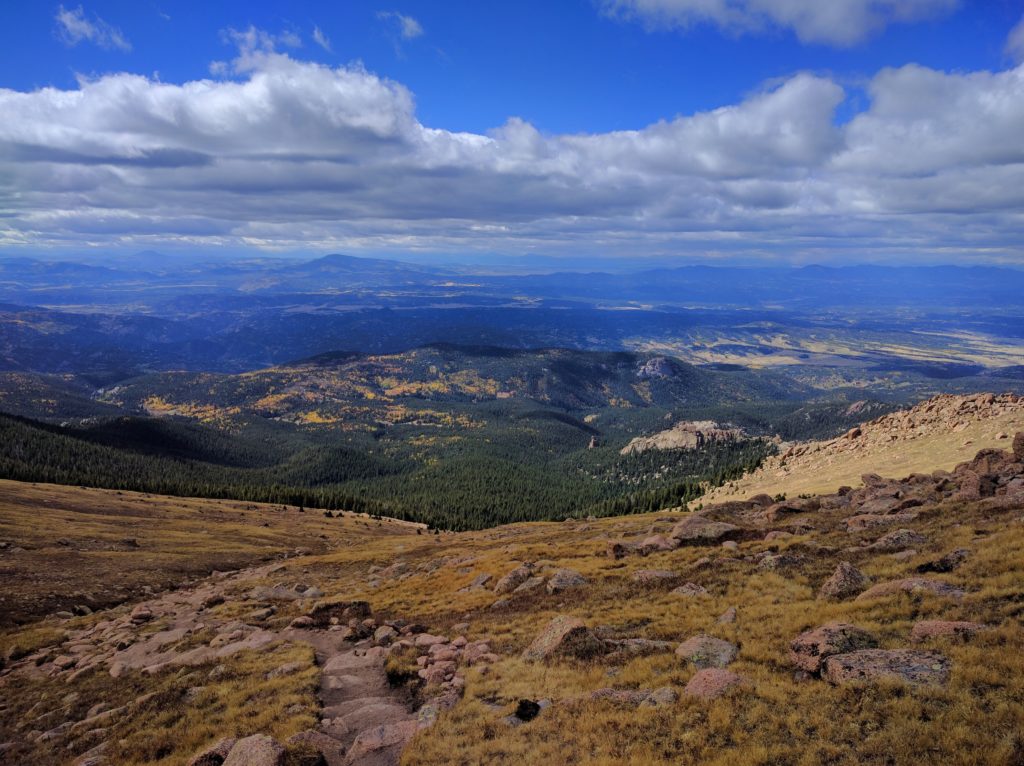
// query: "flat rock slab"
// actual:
[[910, 665]]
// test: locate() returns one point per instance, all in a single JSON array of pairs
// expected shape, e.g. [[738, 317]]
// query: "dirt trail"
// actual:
[[359, 708]]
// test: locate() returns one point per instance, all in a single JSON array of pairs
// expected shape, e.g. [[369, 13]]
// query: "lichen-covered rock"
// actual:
[[910, 665], [564, 636], [698, 530], [711, 683], [846, 582], [945, 563], [706, 651], [913, 586], [808, 650]]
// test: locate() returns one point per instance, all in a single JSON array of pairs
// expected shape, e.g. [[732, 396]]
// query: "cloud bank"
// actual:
[[286, 153]]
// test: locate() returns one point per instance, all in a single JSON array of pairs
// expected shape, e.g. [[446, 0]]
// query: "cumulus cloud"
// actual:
[[283, 152], [832, 22], [408, 27], [73, 27], [1015, 42], [321, 39]]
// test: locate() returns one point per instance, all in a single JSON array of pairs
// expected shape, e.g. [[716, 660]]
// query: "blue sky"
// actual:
[[718, 129]]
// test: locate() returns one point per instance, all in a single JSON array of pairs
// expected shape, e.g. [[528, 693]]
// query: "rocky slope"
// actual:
[[860, 626], [935, 434]]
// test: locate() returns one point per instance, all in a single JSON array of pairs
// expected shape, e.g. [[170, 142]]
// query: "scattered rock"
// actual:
[[653, 576], [808, 650], [706, 651], [847, 581], [564, 636], [514, 579], [1018, 447], [728, 616], [711, 683], [916, 667]]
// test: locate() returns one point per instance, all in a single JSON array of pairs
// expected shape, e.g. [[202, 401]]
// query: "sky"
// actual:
[[715, 131]]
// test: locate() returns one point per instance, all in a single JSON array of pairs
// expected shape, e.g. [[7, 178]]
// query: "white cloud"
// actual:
[[73, 27], [289, 153], [1015, 42], [833, 22], [408, 27], [321, 39]]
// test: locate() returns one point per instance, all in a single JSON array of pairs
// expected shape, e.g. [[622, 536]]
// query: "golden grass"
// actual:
[[976, 720]]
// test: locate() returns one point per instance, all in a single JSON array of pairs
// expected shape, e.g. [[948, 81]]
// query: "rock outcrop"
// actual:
[[683, 435]]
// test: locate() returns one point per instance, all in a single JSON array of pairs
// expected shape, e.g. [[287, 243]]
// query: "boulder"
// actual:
[[564, 636], [257, 750], [926, 629], [1018, 447], [808, 650], [912, 666], [565, 579], [711, 683], [913, 586], [213, 756], [706, 651], [514, 579], [846, 581], [698, 530]]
